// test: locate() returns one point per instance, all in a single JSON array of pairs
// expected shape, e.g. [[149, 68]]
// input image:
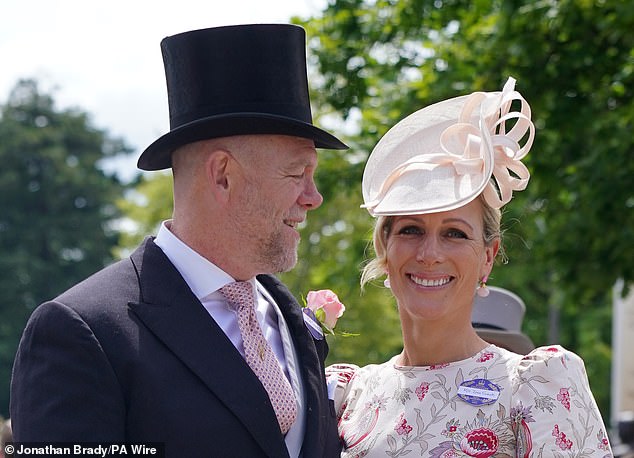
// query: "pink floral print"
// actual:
[[435, 367], [402, 428], [561, 440], [485, 356], [564, 398], [481, 443], [451, 428], [422, 390], [545, 409], [604, 444]]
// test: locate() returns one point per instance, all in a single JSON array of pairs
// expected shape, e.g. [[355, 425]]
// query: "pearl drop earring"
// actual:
[[482, 289], [386, 282]]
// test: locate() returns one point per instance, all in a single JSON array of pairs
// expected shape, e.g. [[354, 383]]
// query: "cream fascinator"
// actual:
[[445, 155]]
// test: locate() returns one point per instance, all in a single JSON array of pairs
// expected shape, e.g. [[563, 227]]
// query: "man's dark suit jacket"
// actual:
[[130, 354]]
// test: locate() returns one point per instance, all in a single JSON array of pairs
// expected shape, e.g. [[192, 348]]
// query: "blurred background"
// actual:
[[82, 94]]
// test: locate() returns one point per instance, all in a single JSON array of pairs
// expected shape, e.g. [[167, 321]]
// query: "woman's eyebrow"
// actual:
[[458, 220]]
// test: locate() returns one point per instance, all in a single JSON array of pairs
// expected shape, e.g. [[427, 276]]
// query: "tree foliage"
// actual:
[[57, 208], [568, 237], [145, 207]]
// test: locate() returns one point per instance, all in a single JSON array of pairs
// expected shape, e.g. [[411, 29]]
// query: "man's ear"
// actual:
[[217, 166]]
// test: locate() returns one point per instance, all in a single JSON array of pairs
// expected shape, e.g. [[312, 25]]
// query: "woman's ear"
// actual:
[[490, 252]]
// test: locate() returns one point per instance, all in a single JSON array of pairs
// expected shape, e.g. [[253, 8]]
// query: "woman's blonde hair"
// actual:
[[377, 267]]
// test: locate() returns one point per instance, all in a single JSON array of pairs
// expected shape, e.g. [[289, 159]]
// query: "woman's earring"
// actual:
[[482, 289], [386, 282]]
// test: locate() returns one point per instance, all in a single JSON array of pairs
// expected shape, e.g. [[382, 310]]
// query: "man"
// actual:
[[154, 347]]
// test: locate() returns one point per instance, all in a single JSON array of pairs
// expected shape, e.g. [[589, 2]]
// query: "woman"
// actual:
[[436, 181]]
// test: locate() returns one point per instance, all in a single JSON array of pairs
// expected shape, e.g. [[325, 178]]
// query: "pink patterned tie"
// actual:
[[259, 354]]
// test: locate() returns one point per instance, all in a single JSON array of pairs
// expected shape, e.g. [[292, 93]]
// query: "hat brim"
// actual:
[[158, 155], [513, 341], [430, 187]]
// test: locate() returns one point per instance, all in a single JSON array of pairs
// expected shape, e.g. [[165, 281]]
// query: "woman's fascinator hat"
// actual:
[[445, 155]]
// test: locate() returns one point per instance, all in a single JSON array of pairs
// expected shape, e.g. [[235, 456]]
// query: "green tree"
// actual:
[[568, 237], [56, 224], [145, 206]]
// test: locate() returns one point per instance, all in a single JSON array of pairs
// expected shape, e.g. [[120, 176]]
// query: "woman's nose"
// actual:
[[429, 250]]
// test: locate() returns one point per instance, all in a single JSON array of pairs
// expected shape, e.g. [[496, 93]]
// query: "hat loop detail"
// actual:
[[506, 147]]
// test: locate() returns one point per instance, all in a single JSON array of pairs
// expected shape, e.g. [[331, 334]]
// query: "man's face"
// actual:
[[275, 194]]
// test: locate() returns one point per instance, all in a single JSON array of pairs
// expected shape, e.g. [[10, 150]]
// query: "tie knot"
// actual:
[[238, 294]]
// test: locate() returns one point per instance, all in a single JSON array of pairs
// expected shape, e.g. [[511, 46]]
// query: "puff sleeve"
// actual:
[[554, 412]]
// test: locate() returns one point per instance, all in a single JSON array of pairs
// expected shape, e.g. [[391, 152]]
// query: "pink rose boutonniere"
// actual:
[[321, 312]]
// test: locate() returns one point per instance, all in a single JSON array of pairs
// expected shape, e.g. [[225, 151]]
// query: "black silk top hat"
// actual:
[[235, 80]]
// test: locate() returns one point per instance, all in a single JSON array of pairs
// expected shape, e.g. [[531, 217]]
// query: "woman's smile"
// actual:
[[428, 282]]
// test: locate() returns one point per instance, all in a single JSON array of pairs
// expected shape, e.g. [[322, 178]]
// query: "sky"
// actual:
[[104, 57]]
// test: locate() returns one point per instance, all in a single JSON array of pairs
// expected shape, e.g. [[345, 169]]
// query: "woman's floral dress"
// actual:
[[494, 404]]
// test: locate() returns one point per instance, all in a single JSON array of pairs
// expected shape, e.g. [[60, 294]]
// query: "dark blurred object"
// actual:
[[624, 446]]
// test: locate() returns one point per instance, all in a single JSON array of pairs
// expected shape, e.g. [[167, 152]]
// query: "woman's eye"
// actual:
[[456, 234], [409, 230]]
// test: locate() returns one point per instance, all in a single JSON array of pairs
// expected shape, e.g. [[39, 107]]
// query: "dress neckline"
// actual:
[[488, 349]]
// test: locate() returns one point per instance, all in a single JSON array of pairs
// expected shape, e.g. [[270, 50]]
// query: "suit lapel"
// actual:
[[310, 365], [176, 317]]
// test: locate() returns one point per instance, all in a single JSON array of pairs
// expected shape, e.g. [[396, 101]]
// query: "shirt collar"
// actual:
[[202, 276]]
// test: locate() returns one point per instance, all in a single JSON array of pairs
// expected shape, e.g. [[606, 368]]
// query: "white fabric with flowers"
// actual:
[[494, 404]]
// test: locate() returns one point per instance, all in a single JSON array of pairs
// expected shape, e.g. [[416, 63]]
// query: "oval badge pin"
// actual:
[[478, 392]]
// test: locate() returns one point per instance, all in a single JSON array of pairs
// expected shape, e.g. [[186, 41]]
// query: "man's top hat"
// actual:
[[235, 80], [497, 318]]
